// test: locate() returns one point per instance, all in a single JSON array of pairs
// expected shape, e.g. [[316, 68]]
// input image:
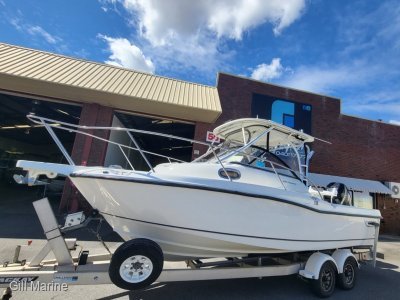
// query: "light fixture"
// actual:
[[161, 122], [14, 152], [63, 112]]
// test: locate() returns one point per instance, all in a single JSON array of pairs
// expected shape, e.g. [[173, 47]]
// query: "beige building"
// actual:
[[88, 93]]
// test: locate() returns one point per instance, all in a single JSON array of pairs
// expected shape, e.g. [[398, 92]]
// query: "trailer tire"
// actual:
[[136, 264], [324, 286], [347, 279]]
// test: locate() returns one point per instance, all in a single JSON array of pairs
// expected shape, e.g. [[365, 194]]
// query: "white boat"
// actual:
[[247, 195]]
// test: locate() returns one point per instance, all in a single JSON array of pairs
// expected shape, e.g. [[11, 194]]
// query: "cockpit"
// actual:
[[262, 144]]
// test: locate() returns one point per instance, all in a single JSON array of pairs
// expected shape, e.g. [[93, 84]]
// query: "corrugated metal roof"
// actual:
[[355, 184], [51, 75]]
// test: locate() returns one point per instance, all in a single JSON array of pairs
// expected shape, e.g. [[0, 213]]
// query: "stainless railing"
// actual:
[[49, 124]]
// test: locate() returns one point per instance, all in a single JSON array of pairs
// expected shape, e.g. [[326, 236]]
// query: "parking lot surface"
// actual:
[[382, 282]]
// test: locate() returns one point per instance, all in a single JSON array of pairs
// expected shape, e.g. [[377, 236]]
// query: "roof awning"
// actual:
[[52, 76], [355, 184]]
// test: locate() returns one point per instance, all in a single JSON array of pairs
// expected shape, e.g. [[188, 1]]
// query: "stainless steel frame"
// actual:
[[50, 123]]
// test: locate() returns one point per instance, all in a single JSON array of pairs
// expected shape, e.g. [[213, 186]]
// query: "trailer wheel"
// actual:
[[324, 286], [347, 279], [136, 264]]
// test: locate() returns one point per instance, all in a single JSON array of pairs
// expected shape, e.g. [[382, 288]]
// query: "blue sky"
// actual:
[[345, 49]]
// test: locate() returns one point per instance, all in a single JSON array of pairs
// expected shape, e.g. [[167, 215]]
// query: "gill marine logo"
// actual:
[[9, 279]]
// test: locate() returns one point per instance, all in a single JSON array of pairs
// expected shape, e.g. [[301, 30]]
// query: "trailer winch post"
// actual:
[[53, 234]]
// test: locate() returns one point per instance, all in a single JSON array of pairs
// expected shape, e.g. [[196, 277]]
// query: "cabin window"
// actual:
[[232, 173]]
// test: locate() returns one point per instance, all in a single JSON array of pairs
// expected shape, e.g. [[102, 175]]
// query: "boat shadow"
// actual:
[[385, 265]]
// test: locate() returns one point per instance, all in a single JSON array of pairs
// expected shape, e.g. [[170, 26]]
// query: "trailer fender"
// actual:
[[340, 256], [314, 264]]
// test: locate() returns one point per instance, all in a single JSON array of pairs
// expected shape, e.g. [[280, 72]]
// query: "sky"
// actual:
[[345, 49]]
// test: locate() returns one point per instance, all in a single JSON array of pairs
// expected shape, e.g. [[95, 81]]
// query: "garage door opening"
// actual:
[[177, 149], [20, 139]]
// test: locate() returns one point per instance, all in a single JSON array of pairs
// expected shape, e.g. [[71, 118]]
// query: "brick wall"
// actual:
[[87, 151], [390, 210], [360, 148]]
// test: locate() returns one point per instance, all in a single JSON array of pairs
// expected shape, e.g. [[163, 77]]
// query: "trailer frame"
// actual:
[[88, 269]]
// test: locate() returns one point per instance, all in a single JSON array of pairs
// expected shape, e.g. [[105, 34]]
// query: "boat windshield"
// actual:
[[261, 144], [283, 162], [290, 155]]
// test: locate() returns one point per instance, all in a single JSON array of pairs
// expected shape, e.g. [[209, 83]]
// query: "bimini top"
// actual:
[[252, 128]]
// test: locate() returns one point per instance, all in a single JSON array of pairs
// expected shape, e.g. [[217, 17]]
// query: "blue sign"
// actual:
[[292, 114]]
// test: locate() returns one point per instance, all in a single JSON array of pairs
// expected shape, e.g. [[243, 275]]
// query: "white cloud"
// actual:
[[37, 30], [233, 18], [34, 30], [162, 21], [266, 72], [107, 5], [190, 55], [16, 22], [125, 54], [378, 107], [384, 95], [319, 80], [394, 122], [328, 79], [363, 33], [193, 34]]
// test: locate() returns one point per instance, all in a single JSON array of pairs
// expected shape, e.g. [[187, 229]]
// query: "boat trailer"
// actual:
[[88, 269]]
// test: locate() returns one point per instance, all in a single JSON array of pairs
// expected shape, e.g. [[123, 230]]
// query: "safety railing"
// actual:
[[49, 124]]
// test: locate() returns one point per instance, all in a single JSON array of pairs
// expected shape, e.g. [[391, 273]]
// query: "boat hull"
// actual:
[[190, 221]]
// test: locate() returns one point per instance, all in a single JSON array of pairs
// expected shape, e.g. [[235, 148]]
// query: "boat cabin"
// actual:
[[262, 144], [266, 145]]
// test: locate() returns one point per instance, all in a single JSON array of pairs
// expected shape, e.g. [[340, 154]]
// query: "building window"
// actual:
[[292, 114], [363, 200], [288, 120]]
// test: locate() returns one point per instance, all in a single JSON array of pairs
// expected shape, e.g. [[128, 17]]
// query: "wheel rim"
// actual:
[[327, 279], [348, 273], [136, 269]]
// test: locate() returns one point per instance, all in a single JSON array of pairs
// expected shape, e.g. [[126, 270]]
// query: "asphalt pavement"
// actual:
[[382, 282]]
